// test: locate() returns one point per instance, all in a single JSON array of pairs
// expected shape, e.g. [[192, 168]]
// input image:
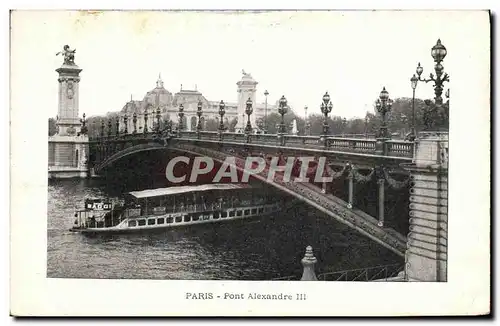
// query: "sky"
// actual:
[[301, 55]]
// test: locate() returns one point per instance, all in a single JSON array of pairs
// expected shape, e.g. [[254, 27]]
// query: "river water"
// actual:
[[235, 250]]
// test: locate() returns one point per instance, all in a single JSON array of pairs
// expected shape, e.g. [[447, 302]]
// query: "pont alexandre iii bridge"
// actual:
[[382, 159]]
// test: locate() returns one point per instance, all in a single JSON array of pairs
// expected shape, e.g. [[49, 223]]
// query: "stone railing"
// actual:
[[396, 148], [352, 144], [400, 148]]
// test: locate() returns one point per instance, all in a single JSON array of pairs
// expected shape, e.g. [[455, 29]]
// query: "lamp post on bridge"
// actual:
[[248, 111], [125, 122], [383, 105], [438, 53], [158, 117], [117, 126], [266, 93], [145, 121], [181, 118], [413, 132], [134, 121], [102, 128], [222, 111], [199, 113], [110, 125], [283, 108], [326, 108]]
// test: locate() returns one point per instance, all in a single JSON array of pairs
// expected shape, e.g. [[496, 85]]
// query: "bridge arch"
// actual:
[[150, 146]]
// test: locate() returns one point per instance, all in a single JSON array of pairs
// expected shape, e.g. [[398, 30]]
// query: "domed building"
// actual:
[[145, 111]]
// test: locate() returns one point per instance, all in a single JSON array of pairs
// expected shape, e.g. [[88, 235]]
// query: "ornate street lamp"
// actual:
[[438, 53], [158, 117], [125, 122], [117, 125], [413, 132], [248, 111], [134, 121], [109, 127], [146, 121], [181, 117], [383, 105], [102, 128], [283, 108], [199, 113], [326, 108], [222, 111], [266, 93]]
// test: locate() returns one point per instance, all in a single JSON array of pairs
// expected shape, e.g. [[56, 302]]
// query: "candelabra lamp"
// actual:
[[384, 106], [436, 114]]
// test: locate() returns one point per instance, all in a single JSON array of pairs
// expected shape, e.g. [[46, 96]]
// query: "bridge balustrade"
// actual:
[[400, 148], [107, 145], [352, 144]]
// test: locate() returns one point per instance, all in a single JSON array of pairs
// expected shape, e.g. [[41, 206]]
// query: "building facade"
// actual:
[[145, 110]]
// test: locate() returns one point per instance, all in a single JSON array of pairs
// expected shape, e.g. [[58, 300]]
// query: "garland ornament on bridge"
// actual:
[[336, 175], [360, 177], [222, 111], [395, 183], [283, 108], [326, 108], [437, 110]]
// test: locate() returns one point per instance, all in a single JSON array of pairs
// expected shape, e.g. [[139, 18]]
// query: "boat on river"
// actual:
[[162, 208]]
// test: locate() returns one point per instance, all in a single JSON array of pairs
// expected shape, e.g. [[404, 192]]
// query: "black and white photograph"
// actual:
[[277, 146]]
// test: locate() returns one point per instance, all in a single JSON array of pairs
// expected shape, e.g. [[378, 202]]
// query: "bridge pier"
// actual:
[[69, 148], [427, 242]]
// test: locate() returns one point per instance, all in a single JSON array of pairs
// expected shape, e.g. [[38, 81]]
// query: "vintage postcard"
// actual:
[[250, 163]]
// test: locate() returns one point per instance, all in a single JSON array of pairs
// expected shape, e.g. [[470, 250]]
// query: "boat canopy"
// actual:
[[184, 189]]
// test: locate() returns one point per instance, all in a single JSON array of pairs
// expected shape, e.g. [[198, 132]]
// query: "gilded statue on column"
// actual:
[[68, 55]]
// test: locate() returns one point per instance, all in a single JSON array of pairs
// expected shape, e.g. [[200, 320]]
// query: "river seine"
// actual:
[[239, 250]]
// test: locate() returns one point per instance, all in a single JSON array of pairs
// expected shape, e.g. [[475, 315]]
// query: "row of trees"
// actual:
[[399, 121]]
